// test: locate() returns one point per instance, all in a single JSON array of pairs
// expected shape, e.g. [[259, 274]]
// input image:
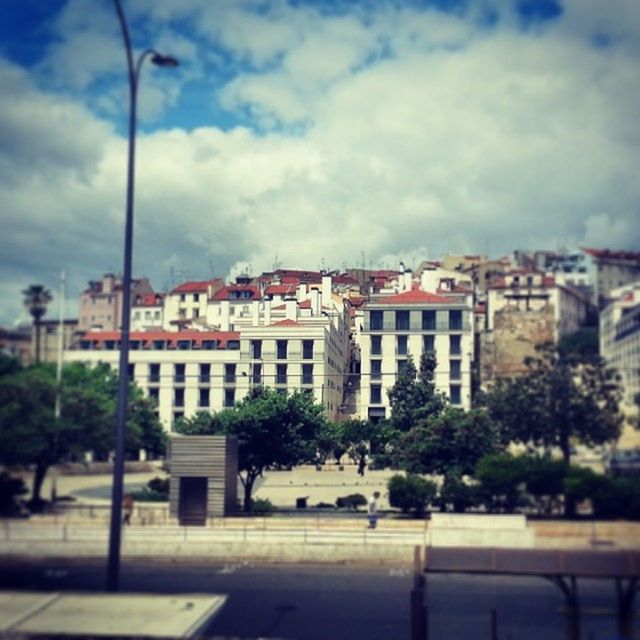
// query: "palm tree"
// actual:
[[36, 299]]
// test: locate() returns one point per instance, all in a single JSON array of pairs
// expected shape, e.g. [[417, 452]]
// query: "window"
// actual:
[[178, 373], [455, 347], [375, 394], [147, 314], [307, 349], [154, 394], [402, 366], [376, 345], [110, 344], [402, 321], [454, 394], [184, 345], [210, 345], [428, 320], [205, 372], [281, 349], [159, 345], [401, 345], [307, 374], [196, 313], [428, 343], [134, 345], [454, 369], [375, 320], [131, 371], [256, 349], [281, 374], [196, 297], [229, 397], [376, 369], [156, 315], [229, 373], [178, 397], [257, 374], [182, 297], [154, 372], [203, 400], [455, 320], [233, 345]]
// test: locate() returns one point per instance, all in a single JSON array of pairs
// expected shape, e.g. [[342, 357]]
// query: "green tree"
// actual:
[[447, 444], [411, 493], [414, 397], [36, 298], [30, 434], [273, 429], [502, 478], [559, 398]]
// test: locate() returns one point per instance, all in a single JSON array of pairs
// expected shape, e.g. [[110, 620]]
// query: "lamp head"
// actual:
[[164, 61]]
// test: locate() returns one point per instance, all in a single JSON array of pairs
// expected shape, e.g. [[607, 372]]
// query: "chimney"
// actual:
[[326, 291], [108, 281], [291, 309], [267, 313], [255, 313], [315, 302], [302, 292], [224, 315]]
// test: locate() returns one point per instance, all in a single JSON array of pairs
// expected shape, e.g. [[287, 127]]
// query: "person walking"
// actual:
[[127, 508], [372, 510]]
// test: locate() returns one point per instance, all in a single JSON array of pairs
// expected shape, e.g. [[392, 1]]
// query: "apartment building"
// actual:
[[620, 337], [290, 345], [524, 309], [613, 269], [147, 312], [186, 305], [100, 305], [399, 326]]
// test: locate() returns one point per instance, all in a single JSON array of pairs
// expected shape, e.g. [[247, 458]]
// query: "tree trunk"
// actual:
[[38, 478], [248, 490], [36, 324]]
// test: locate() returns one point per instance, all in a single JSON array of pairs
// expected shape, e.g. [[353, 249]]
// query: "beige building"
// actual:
[[525, 309], [100, 305], [613, 269]]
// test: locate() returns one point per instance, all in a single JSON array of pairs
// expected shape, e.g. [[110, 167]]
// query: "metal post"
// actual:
[[418, 609]]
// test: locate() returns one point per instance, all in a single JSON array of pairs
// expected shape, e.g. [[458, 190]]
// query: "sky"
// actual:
[[312, 134]]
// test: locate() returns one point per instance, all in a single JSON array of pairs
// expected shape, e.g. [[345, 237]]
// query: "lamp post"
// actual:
[[113, 567]]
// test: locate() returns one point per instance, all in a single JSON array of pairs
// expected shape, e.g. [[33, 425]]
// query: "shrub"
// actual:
[[10, 491], [501, 477], [160, 485], [325, 505], [262, 505], [147, 495], [352, 501], [456, 494], [411, 493]]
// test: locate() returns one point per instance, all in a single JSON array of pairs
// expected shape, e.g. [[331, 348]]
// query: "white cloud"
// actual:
[[424, 134]]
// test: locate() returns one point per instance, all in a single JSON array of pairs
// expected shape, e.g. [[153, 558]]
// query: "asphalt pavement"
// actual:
[[338, 602]]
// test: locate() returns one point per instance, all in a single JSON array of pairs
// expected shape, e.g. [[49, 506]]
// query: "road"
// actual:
[[338, 602]]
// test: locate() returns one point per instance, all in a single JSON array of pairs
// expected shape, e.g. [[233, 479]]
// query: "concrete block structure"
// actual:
[[203, 478]]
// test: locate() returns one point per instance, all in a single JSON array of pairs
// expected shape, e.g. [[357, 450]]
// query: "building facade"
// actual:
[[405, 325], [620, 337]]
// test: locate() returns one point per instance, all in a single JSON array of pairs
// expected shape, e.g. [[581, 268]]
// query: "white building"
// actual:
[[404, 325], [620, 337], [186, 305], [287, 346], [147, 311]]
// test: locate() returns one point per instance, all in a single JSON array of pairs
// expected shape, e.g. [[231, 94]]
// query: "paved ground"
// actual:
[[340, 603]]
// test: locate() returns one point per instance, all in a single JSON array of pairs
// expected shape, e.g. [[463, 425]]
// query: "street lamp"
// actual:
[[113, 567]]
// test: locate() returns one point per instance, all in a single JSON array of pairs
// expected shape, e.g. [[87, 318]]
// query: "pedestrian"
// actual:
[[372, 510], [127, 508]]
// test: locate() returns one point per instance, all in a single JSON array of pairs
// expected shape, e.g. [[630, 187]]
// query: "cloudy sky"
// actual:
[[313, 133]]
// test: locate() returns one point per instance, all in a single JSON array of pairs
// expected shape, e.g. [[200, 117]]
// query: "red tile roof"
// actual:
[[285, 323], [149, 300], [604, 254], [415, 296], [280, 289], [172, 337], [196, 286]]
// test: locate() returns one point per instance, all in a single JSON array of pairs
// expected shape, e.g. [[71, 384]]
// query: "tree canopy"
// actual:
[[559, 398], [273, 430], [30, 433]]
